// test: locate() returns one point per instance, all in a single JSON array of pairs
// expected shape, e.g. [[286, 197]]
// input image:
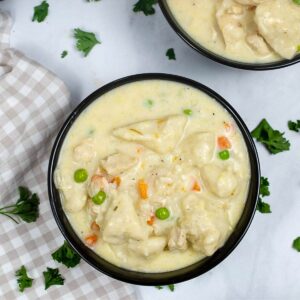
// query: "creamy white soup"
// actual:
[[154, 176], [254, 31]]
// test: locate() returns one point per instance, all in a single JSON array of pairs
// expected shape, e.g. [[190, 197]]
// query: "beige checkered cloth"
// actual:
[[33, 102]]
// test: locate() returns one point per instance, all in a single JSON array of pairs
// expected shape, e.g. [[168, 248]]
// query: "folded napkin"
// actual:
[[33, 103]]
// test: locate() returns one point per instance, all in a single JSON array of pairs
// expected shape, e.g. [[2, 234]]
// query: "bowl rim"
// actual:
[[216, 57], [143, 278]]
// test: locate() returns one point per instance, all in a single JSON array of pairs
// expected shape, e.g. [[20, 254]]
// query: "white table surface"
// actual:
[[264, 266]]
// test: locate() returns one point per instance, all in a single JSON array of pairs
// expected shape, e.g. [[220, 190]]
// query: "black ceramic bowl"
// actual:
[[214, 56], [153, 278]]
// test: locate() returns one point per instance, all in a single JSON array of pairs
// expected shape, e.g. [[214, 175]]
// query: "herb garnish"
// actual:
[[85, 41], [170, 286], [145, 6], [294, 126], [64, 54], [66, 255], [52, 277], [296, 244], [296, 2], [40, 12], [187, 111], [274, 140], [26, 208], [23, 281], [171, 54], [263, 207]]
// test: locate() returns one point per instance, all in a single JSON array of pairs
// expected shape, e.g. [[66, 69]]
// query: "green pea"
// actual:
[[224, 155], [188, 112], [99, 198], [81, 175], [162, 213]]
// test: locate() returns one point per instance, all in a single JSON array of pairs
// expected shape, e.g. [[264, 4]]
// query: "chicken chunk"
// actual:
[[278, 22], [230, 17], [221, 182], [177, 239], [118, 163], [161, 135], [84, 152]]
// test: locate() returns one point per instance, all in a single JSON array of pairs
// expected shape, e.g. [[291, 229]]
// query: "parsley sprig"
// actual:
[[145, 6], [52, 277], [40, 12], [26, 208], [86, 41], [274, 140], [66, 255], [264, 191], [23, 280]]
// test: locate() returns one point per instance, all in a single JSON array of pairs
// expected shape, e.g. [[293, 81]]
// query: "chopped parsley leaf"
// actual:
[[296, 244], [23, 280], [170, 286], [149, 103], [188, 112], [85, 41], [52, 277], [40, 12], [66, 255], [145, 6], [294, 126], [171, 54], [263, 207], [273, 140], [64, 54]]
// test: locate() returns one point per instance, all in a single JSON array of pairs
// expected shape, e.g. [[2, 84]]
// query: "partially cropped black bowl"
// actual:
[[214, 56], [153, 278]]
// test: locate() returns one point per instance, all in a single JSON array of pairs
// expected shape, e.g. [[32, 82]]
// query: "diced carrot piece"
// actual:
[[91, 240], [143, 189], [151, 220], [95, 226], [117, 180], [227, 126], [196, 187], [223, 142]]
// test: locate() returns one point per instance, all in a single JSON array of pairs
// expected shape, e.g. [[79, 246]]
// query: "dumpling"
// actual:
[[118, 163], [122, 223], [230, 18], [153, 245], [73, 194], [278, 22], [221, 182], [199, 227], [199, 148], [161, 135], [258, 44]]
